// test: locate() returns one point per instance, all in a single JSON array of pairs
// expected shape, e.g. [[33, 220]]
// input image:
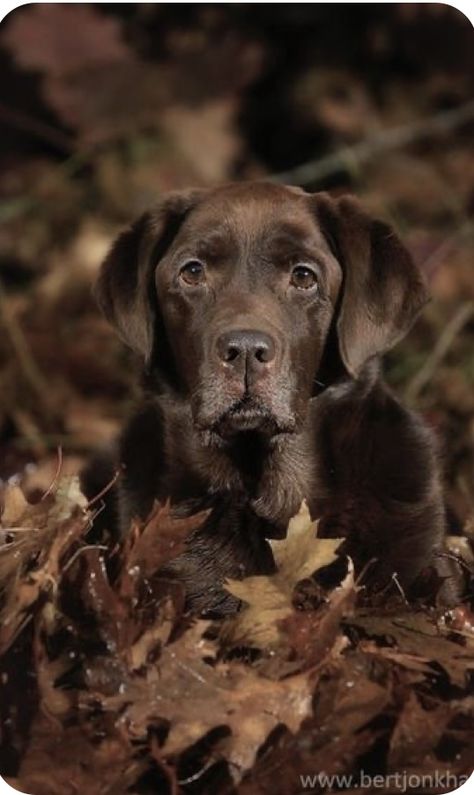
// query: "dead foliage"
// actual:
[[101, 667]]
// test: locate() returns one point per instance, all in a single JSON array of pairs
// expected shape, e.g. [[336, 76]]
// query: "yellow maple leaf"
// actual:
[[268, 598]]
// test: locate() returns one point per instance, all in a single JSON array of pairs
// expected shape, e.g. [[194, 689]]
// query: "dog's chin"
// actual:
[[248, 416], [244, 420]]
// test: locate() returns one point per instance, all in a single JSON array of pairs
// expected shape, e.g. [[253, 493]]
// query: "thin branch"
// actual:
[[443, 344], [79, 552], [352, 157], [56, 474], [23, 121], [399, 587], [106, 488]]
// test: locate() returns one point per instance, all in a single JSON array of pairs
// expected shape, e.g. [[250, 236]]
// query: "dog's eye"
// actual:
[[303, 277], [192, 272]]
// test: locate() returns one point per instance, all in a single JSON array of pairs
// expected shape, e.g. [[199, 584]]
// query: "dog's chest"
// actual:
[[272, 486]]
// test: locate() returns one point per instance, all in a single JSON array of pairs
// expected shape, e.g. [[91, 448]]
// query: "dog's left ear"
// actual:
[[125, 288], [383, 290]]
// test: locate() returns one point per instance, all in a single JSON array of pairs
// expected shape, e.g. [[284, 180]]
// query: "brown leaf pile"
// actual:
[[108, 687]]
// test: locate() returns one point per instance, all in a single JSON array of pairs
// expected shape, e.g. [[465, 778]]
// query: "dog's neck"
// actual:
[[272, 475]]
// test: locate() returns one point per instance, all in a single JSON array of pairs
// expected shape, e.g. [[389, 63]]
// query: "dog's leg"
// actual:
[[383, 482]]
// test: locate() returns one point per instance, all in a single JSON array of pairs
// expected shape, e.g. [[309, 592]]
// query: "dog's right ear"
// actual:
[[383, 290], [125, 287]]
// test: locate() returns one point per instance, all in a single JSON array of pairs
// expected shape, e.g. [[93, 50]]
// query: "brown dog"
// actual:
[[261, 312]]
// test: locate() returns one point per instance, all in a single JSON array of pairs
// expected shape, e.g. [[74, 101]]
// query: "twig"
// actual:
[[445, 340], [79, 552], [23, 121], [352, 157], [56, 474], [196, 776], [462, 563], [106, 488], [399, 587], [364, 571]]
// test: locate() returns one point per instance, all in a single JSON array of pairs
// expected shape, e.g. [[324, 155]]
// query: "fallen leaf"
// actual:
[[54, 702], [302, 553], [418, 634], [14, 506], [269, 598], [30, 565], [65, 760], [413, 662], [161, 538], [416, 732], [312, 634], [196, 697]]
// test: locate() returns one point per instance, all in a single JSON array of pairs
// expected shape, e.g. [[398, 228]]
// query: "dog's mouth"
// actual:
[[249, 414]]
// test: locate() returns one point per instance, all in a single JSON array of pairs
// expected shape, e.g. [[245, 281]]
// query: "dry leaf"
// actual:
[[302, 553], [417, 634], [63, 761], [269, 598], [30, 565], [416, 733], [162, 538], [196, 697], [14, 506], [314, 634]]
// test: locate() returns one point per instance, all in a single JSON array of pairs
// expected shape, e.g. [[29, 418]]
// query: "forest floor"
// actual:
[[108, 686]]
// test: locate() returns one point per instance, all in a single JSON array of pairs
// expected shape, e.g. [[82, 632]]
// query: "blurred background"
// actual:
[[105, 106]]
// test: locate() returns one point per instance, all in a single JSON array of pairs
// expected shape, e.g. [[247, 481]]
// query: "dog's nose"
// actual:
[[252, 350]]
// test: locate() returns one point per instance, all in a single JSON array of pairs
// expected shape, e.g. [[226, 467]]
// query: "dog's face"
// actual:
[[231, 293], [247, 291]]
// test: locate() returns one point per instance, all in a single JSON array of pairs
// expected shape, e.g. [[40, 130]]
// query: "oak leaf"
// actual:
[[269, 597]]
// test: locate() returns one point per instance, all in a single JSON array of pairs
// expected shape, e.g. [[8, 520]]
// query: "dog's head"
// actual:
[[231, 294]]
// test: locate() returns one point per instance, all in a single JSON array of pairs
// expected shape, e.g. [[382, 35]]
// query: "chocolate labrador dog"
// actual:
[[261, 313]]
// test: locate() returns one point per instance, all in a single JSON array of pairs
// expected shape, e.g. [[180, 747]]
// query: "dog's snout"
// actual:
[[252, 350]]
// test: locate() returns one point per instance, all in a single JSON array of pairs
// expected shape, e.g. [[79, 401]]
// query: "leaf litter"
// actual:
[[87, 634], [138, 696]]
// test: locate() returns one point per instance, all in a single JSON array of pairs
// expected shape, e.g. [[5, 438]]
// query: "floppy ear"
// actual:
[[125, 287], [383, 290]]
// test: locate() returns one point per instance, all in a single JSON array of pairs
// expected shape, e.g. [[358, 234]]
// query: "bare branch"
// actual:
[[352, 157], [446, 339]]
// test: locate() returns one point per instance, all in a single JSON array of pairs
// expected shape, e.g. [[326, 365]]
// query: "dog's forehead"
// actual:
[[255, 210]]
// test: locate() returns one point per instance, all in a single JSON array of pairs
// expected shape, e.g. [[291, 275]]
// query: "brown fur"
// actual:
[[252, 431]]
